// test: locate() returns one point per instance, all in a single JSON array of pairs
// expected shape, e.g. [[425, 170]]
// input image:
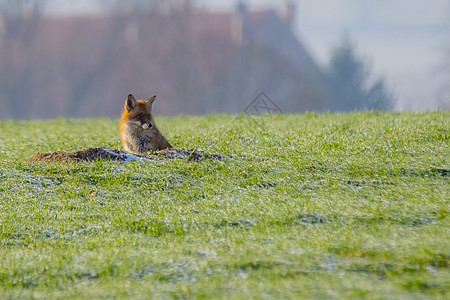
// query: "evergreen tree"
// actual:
[[349, 82]]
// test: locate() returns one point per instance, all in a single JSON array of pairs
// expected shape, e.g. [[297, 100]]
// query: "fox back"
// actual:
[[138, 131]]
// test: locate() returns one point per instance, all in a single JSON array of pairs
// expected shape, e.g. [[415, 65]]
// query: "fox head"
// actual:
[[138, 113]]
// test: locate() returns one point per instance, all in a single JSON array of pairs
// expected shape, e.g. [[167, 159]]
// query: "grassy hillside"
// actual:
[[312, 205]]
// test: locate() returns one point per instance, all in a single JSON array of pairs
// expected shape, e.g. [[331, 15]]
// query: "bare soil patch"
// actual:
[[103, 154]]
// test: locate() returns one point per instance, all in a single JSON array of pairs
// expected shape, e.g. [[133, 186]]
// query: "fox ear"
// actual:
[[150, 100], [130, 103]]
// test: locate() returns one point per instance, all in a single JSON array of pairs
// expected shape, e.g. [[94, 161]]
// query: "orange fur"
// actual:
[[138, 131]]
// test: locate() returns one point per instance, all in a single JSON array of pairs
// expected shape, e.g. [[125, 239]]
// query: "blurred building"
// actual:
[[196, 62]]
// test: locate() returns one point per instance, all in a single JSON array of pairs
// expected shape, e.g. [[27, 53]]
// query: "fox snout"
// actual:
[[142, 125], [147, 125]]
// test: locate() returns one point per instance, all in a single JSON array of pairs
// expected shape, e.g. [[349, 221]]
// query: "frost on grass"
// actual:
[[103, 154]]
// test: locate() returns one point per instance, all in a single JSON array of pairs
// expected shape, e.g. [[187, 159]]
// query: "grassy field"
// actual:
[[309, 206]]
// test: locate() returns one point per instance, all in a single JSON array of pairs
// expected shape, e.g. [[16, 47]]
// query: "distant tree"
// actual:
[[350, 85], [128, 7], [18, 22], [444, 88], [443, 77], [139, 7], [22, 7], [20, 16]]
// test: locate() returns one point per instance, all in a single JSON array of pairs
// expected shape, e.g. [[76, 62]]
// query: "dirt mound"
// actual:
[[87, 154], [96, 154]]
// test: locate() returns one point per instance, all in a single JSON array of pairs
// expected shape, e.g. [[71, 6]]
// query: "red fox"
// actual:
[[138, 131]]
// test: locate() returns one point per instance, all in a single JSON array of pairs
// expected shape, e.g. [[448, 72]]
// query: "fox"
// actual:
[[137, 128]]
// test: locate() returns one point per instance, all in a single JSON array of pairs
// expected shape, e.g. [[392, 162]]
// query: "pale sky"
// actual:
[[404, 40]]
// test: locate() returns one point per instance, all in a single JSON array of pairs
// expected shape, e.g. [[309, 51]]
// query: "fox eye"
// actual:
[[140, 118]]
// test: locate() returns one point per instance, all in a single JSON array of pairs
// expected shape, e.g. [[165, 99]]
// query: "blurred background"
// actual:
[[81, 58]]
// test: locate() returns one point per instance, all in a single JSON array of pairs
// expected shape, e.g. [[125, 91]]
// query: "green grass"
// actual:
[[346, 206]]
